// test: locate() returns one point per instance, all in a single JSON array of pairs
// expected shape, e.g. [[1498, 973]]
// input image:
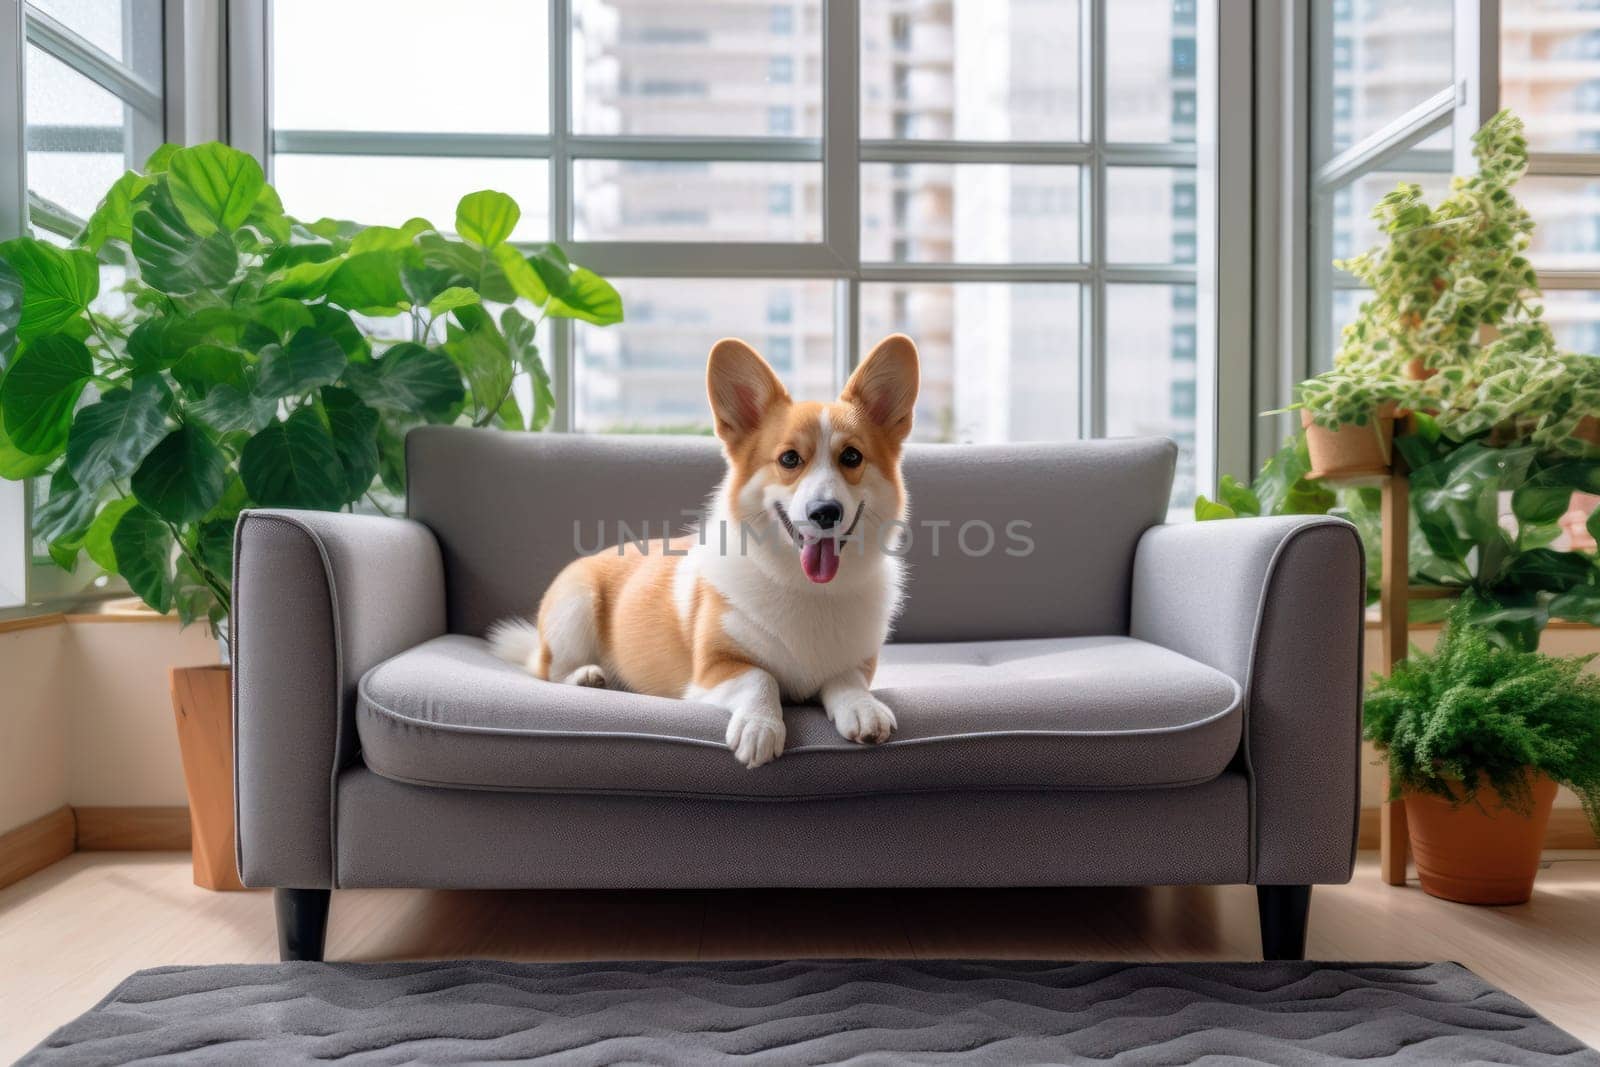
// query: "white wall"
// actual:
[[122, 740], [86, 715], [33, 724]]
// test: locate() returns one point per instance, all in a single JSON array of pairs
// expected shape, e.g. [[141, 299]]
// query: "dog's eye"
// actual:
[[789, 460], [850, 458]]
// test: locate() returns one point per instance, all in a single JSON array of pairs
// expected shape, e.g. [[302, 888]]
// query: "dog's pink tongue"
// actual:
[[820, 559]]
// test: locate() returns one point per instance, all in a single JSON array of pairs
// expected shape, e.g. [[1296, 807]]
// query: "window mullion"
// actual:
[[1477, 74], [1092, 359], [14, 547], [249, 69], [562, 352], [841, 162]]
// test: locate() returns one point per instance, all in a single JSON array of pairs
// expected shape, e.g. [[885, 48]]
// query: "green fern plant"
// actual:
[[1475, 713]]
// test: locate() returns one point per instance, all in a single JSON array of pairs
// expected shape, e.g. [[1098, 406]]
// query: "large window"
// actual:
[[1012, 182], [1397, 86], [90, 75]]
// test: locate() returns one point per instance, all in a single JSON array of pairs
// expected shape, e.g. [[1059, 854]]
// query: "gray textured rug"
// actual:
[[811, 1011]]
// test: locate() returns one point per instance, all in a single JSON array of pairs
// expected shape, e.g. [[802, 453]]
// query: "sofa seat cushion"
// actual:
[[1057, 713]]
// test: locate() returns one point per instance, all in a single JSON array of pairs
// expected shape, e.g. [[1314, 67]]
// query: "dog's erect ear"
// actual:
[[885, 385], [742, 388]]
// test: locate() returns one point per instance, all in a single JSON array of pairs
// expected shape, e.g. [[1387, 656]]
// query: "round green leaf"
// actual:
[[57, 283], [310, 359], [159, 159], [213, 540], [575, 292], [227, 408], [486, 218], [16, 464], [368, 282], [66, 511], [10, 310], [293, 464], [109, 438], [408, 380], [452, 262], [208, 365], [214, 186], [354, 427], [520, 332], [183, 476], [142, 545], [39, 391], [449, 299], [97, 542], [172, 257], [113, 218]]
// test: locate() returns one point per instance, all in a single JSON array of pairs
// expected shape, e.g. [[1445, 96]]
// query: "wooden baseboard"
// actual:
[[116, 829], [1568, 828], [36, 845]]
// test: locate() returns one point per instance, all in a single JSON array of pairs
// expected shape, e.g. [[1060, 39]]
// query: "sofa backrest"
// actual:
[[510, 510]]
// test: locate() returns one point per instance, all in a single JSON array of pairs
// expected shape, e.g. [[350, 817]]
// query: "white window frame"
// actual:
[[1221, 156]]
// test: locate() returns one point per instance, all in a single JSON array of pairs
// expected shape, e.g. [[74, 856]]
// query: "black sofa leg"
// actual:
[[1284, 910], [302, 922]]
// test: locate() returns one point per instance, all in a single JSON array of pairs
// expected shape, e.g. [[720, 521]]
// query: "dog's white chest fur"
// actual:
[[802, 634]]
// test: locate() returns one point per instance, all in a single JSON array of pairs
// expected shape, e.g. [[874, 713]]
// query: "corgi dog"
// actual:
[[786, 591]]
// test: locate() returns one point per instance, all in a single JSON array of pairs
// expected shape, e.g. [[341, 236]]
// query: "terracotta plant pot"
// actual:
[[202, 702], [1481, 853], [1350, 450], [1588, 430]]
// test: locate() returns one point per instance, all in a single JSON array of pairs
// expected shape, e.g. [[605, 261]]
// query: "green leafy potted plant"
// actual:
[[1446, 282], [1453, 333], [1477, 737], [240, 370]]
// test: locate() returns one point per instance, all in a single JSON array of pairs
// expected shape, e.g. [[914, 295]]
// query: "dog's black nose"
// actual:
[[826, 515]]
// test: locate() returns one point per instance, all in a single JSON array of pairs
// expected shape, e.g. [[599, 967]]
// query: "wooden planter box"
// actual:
[[202, 703]]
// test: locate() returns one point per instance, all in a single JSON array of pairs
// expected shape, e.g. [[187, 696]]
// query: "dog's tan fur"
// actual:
[[624, 617]]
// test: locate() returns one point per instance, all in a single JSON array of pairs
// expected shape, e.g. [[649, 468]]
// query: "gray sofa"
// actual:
[[1128, 703]]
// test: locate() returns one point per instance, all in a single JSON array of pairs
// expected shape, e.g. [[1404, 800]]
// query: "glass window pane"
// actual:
[[999, 361], [1151, 383], [648, 374], [388, 190], [1374, 60], [1574, 317], [1151, 58], [135, 40], [74, 180], [1151, 214], [968, 213], [643, 200], [411, 65], [75, 135], [973, 70], [1550, 71], [640, 67], [1567, 213], [1354, 228]]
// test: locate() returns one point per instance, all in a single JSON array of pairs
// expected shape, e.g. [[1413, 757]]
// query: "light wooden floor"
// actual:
[[70, 932]]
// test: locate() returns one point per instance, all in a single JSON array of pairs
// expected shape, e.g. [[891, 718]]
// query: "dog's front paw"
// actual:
[[863, 718], [755, 738]]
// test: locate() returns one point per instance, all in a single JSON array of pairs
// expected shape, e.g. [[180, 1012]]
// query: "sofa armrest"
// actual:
[[1276, 604], [318, 599]]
